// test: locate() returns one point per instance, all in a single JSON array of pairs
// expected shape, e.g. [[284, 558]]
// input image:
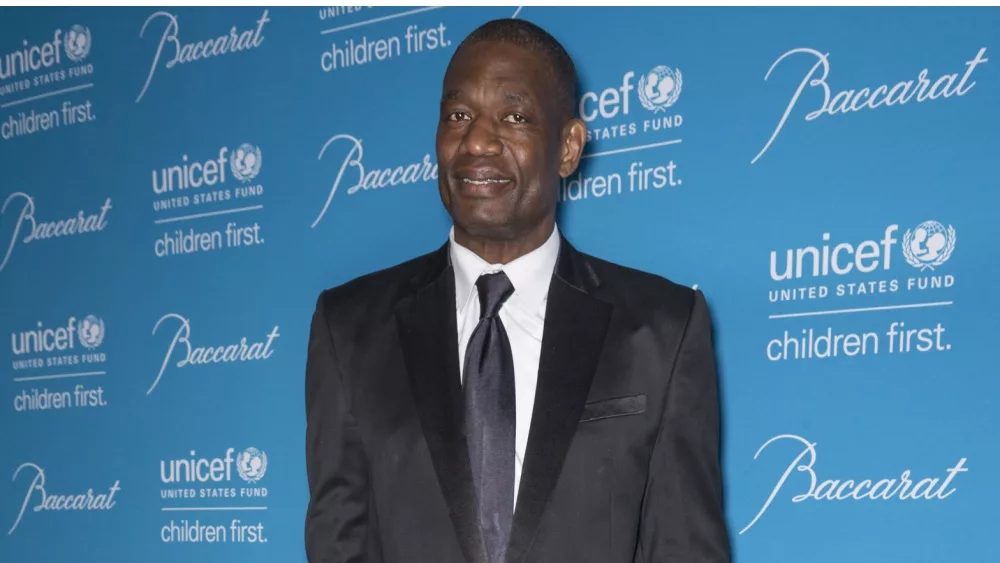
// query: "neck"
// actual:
[[503, 251]]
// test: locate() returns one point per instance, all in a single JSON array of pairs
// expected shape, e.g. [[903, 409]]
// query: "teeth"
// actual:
[[484, 182]]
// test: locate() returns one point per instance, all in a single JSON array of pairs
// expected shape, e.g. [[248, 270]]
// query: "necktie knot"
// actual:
[[494, 289]]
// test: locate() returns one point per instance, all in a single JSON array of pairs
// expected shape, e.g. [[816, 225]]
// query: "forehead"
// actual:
[[493, 63]]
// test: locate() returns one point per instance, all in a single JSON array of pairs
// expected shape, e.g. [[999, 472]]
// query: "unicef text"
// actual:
[[639, 179], [898, 338], [58, 357], [202, 184], [236, 531], [30, 122], [190, 241], [38, 70], [196, 483], [356, 52], [813, 270]]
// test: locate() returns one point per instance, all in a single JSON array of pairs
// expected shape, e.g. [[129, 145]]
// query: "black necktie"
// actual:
[[488, 386]]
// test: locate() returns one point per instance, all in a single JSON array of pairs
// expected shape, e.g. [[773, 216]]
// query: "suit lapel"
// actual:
[[575, 326], [428, 336]]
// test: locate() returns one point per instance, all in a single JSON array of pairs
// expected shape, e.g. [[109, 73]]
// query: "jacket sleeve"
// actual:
[[340, 522], [682, 516]]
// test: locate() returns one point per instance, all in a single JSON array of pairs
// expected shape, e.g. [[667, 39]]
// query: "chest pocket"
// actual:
[[618, 406]]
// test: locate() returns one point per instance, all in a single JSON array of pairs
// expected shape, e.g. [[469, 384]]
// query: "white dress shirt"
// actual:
[[522, 315]]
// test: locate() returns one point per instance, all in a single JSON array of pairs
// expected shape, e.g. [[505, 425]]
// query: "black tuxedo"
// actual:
[[622, 459]]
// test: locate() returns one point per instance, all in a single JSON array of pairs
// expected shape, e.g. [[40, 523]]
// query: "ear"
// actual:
[[574, 137]]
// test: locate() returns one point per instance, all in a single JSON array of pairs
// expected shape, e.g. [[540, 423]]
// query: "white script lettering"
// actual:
[[51, 229], [46, 501], [194, 355], [849, 101], [423, 171], [190, 52], [834, 489]]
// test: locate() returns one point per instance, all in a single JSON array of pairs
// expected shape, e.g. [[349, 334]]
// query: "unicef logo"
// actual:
[[929, 245], [246, 162], [251, 464], [660, 88], [91, 330], [77, 43]]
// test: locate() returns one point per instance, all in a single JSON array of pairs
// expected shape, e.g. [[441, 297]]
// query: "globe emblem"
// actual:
[[929, 245], [91, 331], [77, 43], [659, 88], [251, 464], [246, 162]]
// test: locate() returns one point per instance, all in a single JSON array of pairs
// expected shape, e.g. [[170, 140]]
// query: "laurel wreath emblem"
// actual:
[[674, 94], [77, 43], [239, 166], [86, 339], [912, 259], [245, 457]]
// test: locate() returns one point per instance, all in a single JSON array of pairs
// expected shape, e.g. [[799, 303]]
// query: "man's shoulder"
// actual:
[[640, 290]]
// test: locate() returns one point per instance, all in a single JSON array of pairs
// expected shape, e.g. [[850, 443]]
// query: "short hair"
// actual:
[[529, 36]]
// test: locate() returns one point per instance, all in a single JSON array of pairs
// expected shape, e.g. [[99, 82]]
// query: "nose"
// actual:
[[481, 139]]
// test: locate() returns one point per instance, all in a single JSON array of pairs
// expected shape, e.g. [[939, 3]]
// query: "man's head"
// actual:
[[507, 132]]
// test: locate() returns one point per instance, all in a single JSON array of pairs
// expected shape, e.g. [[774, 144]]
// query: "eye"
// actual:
[[515, 118], [457, 116]]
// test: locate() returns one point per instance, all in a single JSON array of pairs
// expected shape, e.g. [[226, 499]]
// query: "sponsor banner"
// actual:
[[45, 81], [222, 191], [179, 184], [61, 366], [214, 499]]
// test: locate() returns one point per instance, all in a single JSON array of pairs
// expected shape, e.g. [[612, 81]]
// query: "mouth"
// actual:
[[485, 181]]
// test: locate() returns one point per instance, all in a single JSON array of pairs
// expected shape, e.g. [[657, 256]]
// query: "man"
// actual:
[[507, 398]]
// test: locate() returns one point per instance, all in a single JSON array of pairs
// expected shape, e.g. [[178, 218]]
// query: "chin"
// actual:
[[485, 226], [485, 212]]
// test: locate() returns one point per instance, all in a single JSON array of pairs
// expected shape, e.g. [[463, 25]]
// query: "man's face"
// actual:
[[503, 141]]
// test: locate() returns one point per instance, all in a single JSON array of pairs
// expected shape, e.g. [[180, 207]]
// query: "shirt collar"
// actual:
[[530, 274]]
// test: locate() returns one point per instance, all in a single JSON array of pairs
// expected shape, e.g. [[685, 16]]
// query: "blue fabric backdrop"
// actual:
[[178, 185]]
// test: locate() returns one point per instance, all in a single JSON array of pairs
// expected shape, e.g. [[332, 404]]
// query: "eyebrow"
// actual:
[[514, 97]]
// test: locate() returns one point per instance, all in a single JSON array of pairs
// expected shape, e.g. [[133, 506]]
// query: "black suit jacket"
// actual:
[[622, 459]]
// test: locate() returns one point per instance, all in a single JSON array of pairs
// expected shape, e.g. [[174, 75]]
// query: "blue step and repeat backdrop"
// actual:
[[178, 185]]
